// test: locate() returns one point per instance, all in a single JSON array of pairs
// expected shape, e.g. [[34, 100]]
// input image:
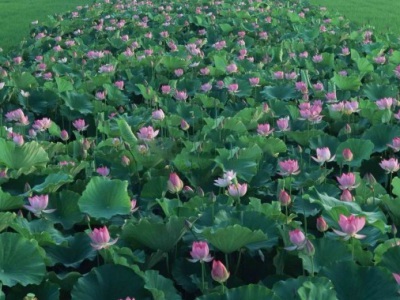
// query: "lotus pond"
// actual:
[[200, 150]]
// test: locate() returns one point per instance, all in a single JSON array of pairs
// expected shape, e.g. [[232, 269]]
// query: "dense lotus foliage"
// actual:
[[200, 150]]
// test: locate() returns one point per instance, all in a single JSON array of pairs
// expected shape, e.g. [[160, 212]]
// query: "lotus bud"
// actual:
[[184, 125], [284, 198], [64, 135], [175, 184], [219, 273], [85, 144], [309, 249], [347, 155], [84, 153], [346, 196], [347, 129], [321, 224]]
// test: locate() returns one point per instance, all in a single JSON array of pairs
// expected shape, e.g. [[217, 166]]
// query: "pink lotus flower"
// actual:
[[321, 224], [318, 87], [279, 75], [317, 58], [390, 165], [346, 196], [237, 190], [206, 87], [298, 239], [158, 115], [347, 181], [200, 252], [350, 107], [233, 88], [178, 72], [232, 68], [18, 139], [395, 145], [385, 103], [165, 89], [219, 272], [101, 238], [17, 116], [80, 125], [254, 81], [284, 198], [119, 84], [42, 125], [103, 171], [147, 133], [396, 277], [264, 129], [283, 124], [323, 155], [350, 226], [175, 184], [133, 205], [289, 167], [180, 95], [38, 205]]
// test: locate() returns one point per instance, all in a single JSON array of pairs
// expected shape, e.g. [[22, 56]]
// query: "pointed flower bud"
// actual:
[[219, 272], [175, 184], [321, 224]]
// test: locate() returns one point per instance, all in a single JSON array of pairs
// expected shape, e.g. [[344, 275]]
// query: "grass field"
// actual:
[[382, 14], [16, 15]]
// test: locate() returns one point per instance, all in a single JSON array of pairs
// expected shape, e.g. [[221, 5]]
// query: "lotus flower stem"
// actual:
[[203, 271], [227, 261], [286, 213], [238, 261], [312, 265], [353, 246]]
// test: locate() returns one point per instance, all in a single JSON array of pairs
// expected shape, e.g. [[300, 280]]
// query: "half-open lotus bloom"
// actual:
[[147, 133], [390, 165], [264, 129], [219, 273], [395, 145], [200, 252], [226, 179], [323, 155], [101, 238], [347, 181], [237, 190], [80, 125], [289, 167], [350, 226], [38, 204], [298, 239]]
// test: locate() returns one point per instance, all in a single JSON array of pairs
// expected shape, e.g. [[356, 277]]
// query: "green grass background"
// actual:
[[16, 16], [384, 15]]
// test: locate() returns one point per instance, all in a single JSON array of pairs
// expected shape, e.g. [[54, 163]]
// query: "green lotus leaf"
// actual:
[[171, 63], [104, 198], [126, 132], [303, 137], [272, 146], [52, 183], [325, 140], [327, 252], [109, 282], [155, 234], [347, 83], [64, 85], [24, 158], [233, 238], [20, 261], [6, 218], [360, 283], [41, 100], [24, 80], [375, 91], [280, 92], [160, 287], [391, 259], [251, 291], [309, 290], [46, 290], [71, 255], [361, 149], [381, 141], [65, 280], [8, 202], [78, 102]]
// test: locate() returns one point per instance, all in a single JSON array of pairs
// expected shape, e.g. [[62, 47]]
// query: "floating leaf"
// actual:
[[233, 238], [104, 198], [160, 287], [280, 92], [20, 261]]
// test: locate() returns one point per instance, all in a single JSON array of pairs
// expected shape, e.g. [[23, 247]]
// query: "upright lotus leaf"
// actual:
[[391, 259], [154, 233], [327, 252], [6, 218], [109, 282], [375, 91], [320, 291], [105, 198], [360, 283], [347, 83], [252, 291], [381, 141], [126, 132], [361, 149], [24, 80], [52, 183], [272, 146], [324, 140], [8, 202], [23, 159], [71, 255], [46, 290], [78, 102], [303, 137], [281, 92], [171, 63], [233, 238], [64, 84], [66, 207], [66, 281], [160, 287], [20, 260]]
